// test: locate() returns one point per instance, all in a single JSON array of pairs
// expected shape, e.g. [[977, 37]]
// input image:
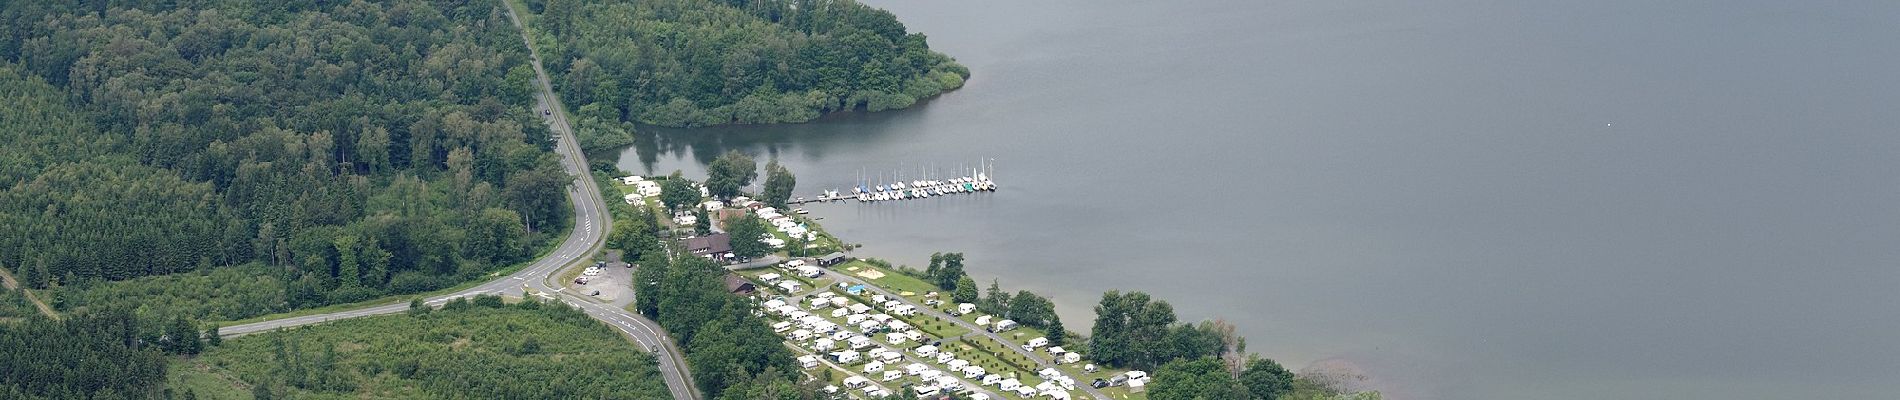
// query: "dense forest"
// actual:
[[357, 149], [705, 62], [480, 349], [88, 356]]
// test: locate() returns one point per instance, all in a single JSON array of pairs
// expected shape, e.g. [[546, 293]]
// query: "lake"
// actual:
[[1464, 199]]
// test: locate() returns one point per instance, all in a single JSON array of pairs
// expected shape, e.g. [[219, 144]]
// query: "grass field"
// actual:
[[495, 351], [892, 280]]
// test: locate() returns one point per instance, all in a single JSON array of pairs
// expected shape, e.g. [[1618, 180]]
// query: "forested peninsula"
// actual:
[[685, 63]]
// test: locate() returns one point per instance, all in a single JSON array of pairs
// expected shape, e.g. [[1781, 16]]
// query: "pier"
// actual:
[[918, 189]]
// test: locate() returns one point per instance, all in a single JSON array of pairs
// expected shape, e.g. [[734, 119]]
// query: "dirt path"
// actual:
[[7, 279]]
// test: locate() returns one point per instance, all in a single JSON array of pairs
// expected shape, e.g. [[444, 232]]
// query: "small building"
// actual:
[[1071, 358], [800, 335], [809, 271], [1009, 385], [859, 308], [957, 365], [948, 383], [925, 350], [983, 320], [788, 286], [855, 382], [973, 372], [891, 356], [839, 312], [834, 258], [859, 342], [839, 302], [992, 379], [770, 277], [824, 344], [717, 245], [782, 326], [915, 369], [930, 375], [739, 285], [1003, 326], [870, 368], [892, 375], [807, 361], [904, 309], [896, 338], [965, 308], [847, 356], [825, 327]]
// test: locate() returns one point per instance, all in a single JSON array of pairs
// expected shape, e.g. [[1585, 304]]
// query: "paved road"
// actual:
[[973, 327], [590, 221]]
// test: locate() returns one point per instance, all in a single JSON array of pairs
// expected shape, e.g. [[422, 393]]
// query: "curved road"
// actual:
[[591, 221]]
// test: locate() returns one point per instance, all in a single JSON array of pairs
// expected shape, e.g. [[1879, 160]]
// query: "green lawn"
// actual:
[[892, 280], [515, 351]]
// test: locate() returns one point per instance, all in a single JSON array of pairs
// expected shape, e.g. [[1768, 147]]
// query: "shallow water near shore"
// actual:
[[1465, 200]]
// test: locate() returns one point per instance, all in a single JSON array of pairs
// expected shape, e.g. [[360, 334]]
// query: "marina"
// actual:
[[867, 192]]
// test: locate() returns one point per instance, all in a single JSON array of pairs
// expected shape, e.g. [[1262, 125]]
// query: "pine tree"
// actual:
[[1056, 332]]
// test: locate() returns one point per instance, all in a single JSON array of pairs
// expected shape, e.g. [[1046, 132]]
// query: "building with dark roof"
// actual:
[[717, 245], [739, 285]]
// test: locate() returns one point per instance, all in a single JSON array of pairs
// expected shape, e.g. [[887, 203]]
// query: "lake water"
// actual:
[[1466, 199]]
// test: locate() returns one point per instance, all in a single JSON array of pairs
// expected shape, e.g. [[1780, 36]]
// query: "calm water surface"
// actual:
[[1467, 199]]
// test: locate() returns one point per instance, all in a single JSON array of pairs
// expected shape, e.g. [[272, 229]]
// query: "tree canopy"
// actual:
[[727, 175], [1135, 331], [779, 183], [91, 355], [728, 348], [745, 231], [1195, 379], [703, 62], [370, 147]]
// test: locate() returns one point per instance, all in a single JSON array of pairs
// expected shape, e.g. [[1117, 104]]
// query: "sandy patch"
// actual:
[[871, 274]]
